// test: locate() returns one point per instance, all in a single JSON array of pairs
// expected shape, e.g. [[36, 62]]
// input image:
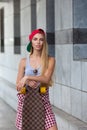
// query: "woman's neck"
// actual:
[[36, 54], [35, 60]]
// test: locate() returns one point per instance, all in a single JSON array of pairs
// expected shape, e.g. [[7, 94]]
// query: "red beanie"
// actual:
[[35, 32]]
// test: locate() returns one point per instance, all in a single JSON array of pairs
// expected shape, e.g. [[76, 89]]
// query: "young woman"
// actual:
[[34, 71]]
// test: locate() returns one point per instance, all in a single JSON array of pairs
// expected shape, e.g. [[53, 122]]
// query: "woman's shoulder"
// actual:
[[52, 59], [23, 61]]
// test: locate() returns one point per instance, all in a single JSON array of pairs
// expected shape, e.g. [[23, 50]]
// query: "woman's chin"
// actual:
[[38, 49]]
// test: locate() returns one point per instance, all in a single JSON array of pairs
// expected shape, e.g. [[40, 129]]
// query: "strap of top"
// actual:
[[27, 60]]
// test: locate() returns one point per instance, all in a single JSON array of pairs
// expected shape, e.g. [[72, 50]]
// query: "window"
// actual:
[[2, 30], [33, 14], [17, 47], [50, 26]]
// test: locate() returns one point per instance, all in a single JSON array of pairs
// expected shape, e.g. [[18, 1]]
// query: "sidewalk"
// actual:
[[7, 117]]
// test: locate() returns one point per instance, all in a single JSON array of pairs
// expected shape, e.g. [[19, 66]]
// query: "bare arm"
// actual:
[[20, 74], [43, 78]]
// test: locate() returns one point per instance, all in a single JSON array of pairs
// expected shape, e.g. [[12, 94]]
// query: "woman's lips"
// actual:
[[38, 46]]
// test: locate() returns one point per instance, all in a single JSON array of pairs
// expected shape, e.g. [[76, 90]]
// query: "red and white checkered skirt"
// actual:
[[49, 115]]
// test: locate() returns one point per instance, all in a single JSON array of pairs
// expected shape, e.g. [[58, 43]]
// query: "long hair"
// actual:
[[44, 59]]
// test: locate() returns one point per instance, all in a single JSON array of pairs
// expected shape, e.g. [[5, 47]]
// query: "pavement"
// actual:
[[7, 117]]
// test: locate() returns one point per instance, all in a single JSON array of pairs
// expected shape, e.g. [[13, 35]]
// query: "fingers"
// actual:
[[21, 83], [18, 86], [32, 84]]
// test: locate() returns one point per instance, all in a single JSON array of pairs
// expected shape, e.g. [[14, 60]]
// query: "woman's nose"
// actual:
[[38, 41]]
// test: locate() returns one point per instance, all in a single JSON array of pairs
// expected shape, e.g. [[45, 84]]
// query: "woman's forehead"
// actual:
[[38, 35]]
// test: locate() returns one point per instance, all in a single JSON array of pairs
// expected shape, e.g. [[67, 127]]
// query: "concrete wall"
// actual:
[[71, 76], [69, 93]]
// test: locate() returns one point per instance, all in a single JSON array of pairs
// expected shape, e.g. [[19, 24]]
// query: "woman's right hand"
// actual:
[[33, 84]]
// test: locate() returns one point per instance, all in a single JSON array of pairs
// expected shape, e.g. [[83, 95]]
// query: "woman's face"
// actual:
[[38, 41]]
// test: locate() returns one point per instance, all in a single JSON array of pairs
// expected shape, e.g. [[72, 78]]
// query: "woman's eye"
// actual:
[[42, 39], [35, 39]]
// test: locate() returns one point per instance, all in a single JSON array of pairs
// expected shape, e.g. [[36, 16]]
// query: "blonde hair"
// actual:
[[44, 59]]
